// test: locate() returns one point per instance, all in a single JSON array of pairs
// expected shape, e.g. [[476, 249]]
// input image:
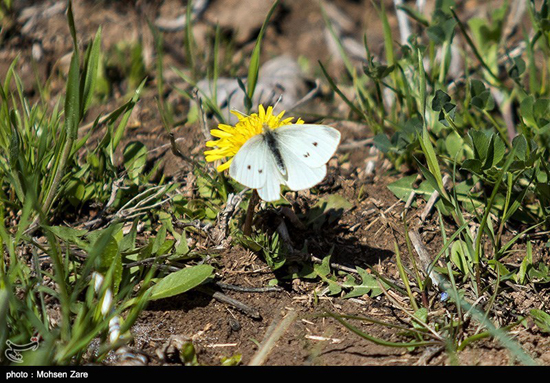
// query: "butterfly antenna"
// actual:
[[241, 113], [278, 101]]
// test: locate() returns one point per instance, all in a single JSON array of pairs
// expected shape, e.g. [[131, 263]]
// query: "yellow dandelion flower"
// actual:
[[231, 138]]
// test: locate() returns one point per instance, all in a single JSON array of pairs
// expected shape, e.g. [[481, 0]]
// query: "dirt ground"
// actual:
[[363, 236]]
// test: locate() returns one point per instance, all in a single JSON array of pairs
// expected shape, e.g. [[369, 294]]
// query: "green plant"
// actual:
[[69, 284], [455, 130]]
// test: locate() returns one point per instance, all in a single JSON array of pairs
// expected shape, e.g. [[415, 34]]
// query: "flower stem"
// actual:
[[254, 199]]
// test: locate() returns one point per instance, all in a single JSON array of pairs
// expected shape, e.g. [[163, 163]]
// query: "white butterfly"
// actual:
[[292, 155]]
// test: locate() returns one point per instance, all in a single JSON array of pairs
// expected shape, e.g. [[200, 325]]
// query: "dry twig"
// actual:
[[250, 311], [434, 198]]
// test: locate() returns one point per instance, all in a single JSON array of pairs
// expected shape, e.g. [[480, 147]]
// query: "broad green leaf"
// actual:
[[540, 274], [181, 281], [128, 241], [67, 234], [480, 141], [146, 251], [126, 111], [402, 188], [477, 87], [472, 165], [455, 145], [502, 270], [369, 285], [521, 276], [188, 354], [541, 111], [444, 203], [327, 210], [108, 255], [521, 146], [323, 271], [377, 71], [72, 28], [72, 98], [526, 111], [496, 149], [436, 34], [422, 315], [459, 256], [234, 360], [159, 240], [431, 159], [135, 158], [75, 192], [388, 39], [517, 69], [182, 248], [92, 64], [542, 319], [274, 252], [383, 143], [484, 101], [73, 91], [440, 99]]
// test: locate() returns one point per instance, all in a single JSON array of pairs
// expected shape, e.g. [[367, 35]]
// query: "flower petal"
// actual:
[[230, 139]]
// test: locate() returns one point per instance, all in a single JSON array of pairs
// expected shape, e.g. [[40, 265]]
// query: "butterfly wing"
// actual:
[[271, 191], [254, 166], [305, 150], [312, 144], [299, 176], [249, 166]]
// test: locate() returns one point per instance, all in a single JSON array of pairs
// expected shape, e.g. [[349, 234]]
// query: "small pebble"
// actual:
[[234, 324]]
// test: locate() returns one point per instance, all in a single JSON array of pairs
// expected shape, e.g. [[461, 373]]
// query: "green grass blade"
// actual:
[[339, 92], [254, 66], [90, 72], [190, 40]]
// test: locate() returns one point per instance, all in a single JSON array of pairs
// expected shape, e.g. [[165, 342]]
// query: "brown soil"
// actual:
[[362, 236]]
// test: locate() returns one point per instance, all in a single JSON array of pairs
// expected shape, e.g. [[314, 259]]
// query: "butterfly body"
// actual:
[[291, 155], [270, 137]]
